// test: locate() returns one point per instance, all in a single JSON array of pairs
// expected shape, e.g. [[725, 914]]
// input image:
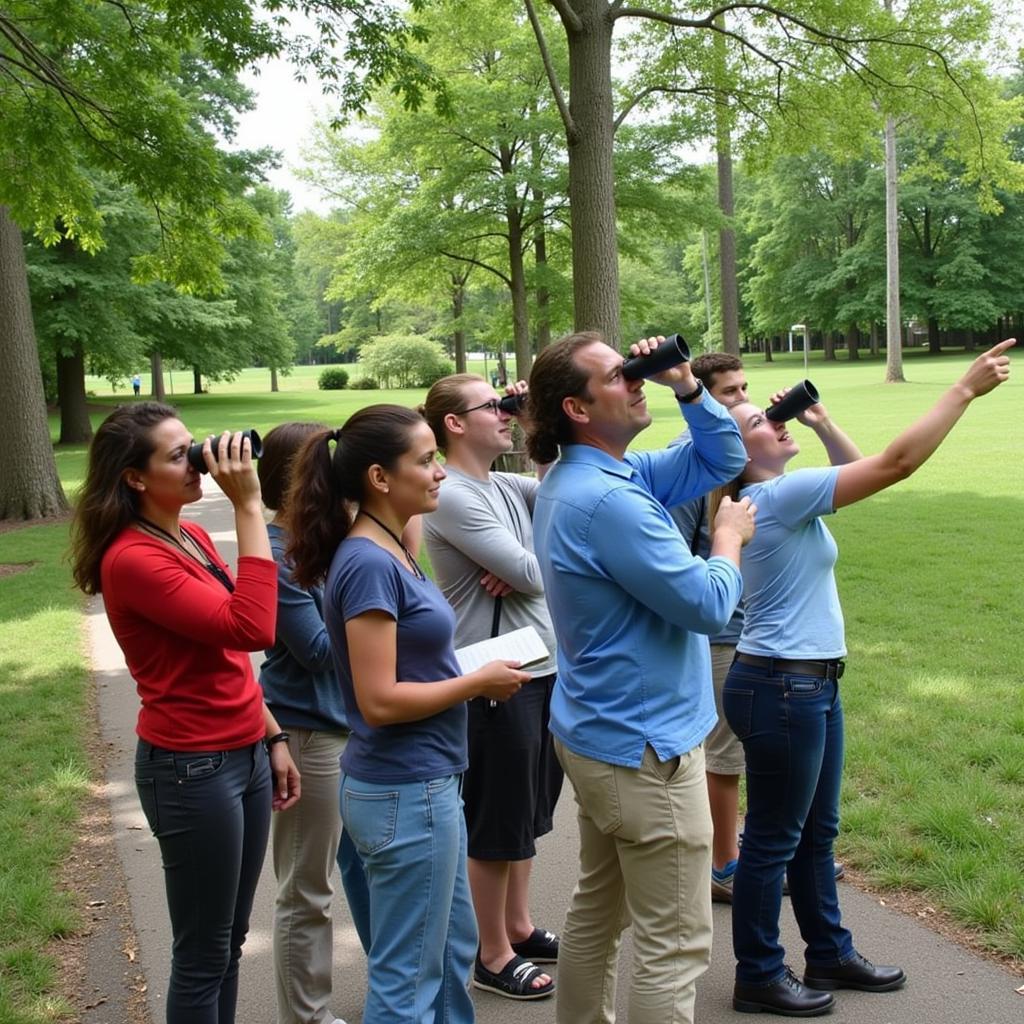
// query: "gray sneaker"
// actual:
[[721, 889]]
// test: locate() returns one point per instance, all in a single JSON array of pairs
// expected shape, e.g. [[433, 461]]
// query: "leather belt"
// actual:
[[832, 669]]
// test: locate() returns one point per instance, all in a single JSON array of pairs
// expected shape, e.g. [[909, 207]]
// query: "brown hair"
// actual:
[[106, 504], [444, 397], [279, 449], [326, 488], [705, 366], [554, 377]]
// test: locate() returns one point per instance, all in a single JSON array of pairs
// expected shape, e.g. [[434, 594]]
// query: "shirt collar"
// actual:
[[588, 455]]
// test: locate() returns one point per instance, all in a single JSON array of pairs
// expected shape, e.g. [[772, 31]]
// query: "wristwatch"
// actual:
[[693, 395], [281, 737]]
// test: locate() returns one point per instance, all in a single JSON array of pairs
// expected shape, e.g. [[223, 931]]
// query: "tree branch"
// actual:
[[549, 67]]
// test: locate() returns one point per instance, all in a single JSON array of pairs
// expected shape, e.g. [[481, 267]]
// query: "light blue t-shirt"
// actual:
[[364, 577], [789, 587], [628, 600]]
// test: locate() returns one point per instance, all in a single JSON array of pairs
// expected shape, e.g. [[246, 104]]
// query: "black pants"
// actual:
[[210, 812]]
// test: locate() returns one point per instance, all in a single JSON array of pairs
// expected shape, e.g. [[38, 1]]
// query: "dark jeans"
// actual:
[[791, 727], [210, 812]]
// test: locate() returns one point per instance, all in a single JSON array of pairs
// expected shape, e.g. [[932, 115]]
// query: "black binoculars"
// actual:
[[195, 451], [671, 352], [513, 404], [799, 398]]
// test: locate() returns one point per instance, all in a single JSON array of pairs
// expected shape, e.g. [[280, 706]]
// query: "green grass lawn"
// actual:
[[929, 576]]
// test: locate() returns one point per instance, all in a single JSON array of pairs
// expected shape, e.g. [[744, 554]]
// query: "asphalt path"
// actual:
[[947, 984]]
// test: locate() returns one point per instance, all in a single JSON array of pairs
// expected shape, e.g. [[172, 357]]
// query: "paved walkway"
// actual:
[[947, 984]]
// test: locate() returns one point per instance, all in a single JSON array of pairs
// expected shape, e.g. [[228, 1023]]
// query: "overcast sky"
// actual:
[[283, 119]]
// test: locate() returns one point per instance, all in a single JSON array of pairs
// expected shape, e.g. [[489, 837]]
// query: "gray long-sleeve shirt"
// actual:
[[487, 526]]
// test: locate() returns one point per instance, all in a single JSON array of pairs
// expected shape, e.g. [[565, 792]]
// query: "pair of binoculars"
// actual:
[[798, 399], [195, 451], [671, 352], [513, 404]]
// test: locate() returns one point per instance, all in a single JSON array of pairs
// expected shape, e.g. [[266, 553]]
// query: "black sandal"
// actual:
[[541, 947], [513, 981]]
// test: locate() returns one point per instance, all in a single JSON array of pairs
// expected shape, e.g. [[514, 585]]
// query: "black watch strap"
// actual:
[[281, 737], [693, 395]]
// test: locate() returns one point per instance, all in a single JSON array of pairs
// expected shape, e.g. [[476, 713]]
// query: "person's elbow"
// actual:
[[378, 713]]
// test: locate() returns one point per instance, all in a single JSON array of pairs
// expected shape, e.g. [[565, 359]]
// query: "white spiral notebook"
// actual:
[[522, 645]]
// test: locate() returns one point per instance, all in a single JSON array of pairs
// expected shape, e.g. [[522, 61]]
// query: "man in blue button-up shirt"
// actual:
[[632, 608]]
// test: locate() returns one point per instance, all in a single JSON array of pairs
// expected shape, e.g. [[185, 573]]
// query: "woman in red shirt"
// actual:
[[204, 776]]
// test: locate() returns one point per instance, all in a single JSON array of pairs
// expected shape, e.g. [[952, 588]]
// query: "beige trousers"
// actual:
[[645, 860], [305, 844]]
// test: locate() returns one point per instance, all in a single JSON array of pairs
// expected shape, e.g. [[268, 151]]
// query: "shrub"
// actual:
[[334, 378], [404, 361], [364, 384]]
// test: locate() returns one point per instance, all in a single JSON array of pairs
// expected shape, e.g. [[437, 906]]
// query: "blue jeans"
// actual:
[[791, 727], [353, 881], [210, 813], [412, 841]]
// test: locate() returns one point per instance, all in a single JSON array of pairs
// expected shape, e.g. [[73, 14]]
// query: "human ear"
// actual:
[[574, 408]]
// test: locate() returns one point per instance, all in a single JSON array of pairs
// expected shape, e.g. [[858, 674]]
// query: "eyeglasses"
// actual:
[[494, 404]]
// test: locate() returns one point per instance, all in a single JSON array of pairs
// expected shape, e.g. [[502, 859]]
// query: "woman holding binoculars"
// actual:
[[352, 495], [782, 696], [210, 763], [480, 541]]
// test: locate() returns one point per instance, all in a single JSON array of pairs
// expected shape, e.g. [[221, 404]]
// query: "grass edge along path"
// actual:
[[44, 676]]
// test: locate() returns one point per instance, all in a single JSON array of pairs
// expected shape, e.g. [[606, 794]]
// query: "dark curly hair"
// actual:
[[554, 377]]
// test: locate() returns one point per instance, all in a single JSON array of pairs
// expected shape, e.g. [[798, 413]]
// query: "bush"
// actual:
[[364, 384], [404, 361], [334, 378]]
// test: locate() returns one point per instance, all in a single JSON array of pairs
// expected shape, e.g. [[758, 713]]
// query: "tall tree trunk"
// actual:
[[934, 337], [156, 371], [542, 295], [75, 427], [458, 293], [893, 323], [29, 485], [726, 235], [853, 342], [874, 337], [274, 386], [828, 343], [197, 381], [517, 281], [767, 350], [595, 252]]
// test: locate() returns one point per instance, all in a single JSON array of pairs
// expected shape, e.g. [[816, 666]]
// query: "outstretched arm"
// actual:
[[838, 444], [915, 445]]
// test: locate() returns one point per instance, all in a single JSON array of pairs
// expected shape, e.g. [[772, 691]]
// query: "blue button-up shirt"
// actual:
[[631, 606]]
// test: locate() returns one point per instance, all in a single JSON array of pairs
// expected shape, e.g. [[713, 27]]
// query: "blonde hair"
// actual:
[[445, 397]]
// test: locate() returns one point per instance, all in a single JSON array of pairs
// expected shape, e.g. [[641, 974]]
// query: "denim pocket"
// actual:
[[803, 686], [198, 764], [146, 789], [738, 706], [370, 818]]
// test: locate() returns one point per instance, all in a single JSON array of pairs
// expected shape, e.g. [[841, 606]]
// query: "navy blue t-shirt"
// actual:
[[364, 577]]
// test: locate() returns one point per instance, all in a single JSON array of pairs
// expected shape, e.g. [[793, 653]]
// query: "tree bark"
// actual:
[[75, 427], [828, 343], [156, 370], [517, 283], [726, 235], [542, 295], [853, 342], [934, 338], [197, 381], [893, 323], [274, 386], [458, 294], [29, 485], [595, 251]]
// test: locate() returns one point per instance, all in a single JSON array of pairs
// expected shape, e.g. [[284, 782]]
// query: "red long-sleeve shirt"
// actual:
[[185, 638]]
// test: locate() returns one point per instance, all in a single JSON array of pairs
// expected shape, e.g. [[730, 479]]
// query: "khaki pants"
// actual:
[[645, 859], [305, 845]]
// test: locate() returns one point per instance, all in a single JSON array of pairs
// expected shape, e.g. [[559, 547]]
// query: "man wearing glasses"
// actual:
[[480, 541]]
